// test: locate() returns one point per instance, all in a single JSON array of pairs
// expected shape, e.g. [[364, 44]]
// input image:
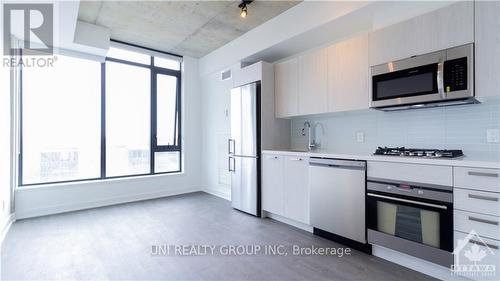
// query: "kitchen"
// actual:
[[253, 140], [432, 113]]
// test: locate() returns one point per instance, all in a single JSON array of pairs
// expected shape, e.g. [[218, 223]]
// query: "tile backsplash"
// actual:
[[455, 127]]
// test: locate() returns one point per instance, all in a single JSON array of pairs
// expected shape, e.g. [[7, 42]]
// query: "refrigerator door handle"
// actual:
[[229, 164], [229, 141]]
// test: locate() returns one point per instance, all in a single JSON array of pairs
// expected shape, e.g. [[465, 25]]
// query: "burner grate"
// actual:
[[414, 152]]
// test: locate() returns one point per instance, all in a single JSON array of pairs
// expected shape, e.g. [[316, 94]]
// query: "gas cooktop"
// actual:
[[414, 152]]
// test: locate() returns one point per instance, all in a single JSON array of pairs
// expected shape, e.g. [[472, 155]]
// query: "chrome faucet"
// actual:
[[311, 143]]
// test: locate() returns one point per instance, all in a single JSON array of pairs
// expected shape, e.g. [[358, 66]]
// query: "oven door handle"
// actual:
[[408, 201]]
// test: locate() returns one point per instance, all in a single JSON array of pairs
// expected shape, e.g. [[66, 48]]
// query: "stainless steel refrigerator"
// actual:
[[244, 148]]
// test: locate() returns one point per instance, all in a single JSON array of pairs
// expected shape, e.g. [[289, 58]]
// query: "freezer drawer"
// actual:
[[245, 184]]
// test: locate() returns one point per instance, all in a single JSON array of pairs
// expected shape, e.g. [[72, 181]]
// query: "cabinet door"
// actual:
[[392, 43], [286, 88], [348, 75], [272, 184], [447, 27], [487, 48], [296, 190], [313, 82]]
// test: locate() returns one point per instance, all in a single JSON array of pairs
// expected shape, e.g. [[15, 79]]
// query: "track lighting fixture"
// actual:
[[243, 7]]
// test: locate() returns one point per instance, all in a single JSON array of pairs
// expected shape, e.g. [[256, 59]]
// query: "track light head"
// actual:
[[244, 8]]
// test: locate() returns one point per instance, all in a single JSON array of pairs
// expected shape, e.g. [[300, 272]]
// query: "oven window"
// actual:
[[404, 83], [418, 225]]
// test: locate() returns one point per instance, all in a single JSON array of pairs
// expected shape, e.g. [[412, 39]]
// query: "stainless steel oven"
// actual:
[[436, 79], [412, 218]]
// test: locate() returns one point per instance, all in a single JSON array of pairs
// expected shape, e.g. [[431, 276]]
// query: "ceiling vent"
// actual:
[[226, 75]]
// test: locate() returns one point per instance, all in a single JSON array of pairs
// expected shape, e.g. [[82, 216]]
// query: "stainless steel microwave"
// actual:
[[436, 79]]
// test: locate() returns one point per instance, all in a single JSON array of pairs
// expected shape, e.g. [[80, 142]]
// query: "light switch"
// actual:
[[360, 137], [492, 135]]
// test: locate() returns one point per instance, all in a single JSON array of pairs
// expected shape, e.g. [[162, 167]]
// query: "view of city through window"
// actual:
[[64, 123]]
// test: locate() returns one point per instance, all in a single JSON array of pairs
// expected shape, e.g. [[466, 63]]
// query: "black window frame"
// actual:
[[154, 148]]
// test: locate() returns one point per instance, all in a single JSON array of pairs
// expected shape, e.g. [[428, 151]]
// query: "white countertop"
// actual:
[[464, 161]]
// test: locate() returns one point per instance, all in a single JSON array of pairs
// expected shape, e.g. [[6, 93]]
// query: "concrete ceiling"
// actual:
[[191, 28]]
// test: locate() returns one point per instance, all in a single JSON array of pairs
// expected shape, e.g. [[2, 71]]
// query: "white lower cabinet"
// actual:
[[488, 252], [484, 225], [285, 186], [272, 184], [476, 199], [296, 189]]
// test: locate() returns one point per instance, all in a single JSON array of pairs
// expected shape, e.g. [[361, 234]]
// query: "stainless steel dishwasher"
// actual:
[[337, 198]]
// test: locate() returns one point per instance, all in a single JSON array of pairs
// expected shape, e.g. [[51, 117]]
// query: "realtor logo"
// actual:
[[32, 25], [470, 257]]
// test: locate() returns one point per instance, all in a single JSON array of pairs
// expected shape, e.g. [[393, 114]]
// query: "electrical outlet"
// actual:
[[493, 135], [360, 137]]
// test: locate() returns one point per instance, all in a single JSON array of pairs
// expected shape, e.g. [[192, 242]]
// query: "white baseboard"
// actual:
[[416, 264], [293, 223], [63, 208], [4, 228], [221, 192]]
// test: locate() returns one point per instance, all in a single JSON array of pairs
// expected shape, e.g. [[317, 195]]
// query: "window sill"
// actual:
[[70, 184]]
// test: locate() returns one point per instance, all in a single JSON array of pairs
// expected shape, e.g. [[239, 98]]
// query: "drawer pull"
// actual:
[[483, 221], [483, 244], [295, 159], [481, 197], [480, 174]]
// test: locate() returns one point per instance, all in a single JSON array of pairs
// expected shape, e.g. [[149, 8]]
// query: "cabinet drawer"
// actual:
[[481, 179], [491, 249], [477, 201], [438, 175], [484, 225]]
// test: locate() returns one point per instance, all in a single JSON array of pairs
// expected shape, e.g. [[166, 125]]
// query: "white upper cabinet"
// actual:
[[447, 27], [313, 82], [348, 75], [286, 88], [487, 48]]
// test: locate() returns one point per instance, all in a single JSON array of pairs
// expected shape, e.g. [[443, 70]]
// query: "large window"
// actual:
[[83, 120], [61, 119], [128, 110]]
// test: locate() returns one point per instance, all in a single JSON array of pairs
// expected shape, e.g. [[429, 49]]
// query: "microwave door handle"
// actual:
[[440, 79]]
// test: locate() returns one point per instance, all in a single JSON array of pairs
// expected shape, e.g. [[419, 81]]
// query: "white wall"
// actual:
[[215, 132], [5, 144], [5, 154], [48, 199]]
